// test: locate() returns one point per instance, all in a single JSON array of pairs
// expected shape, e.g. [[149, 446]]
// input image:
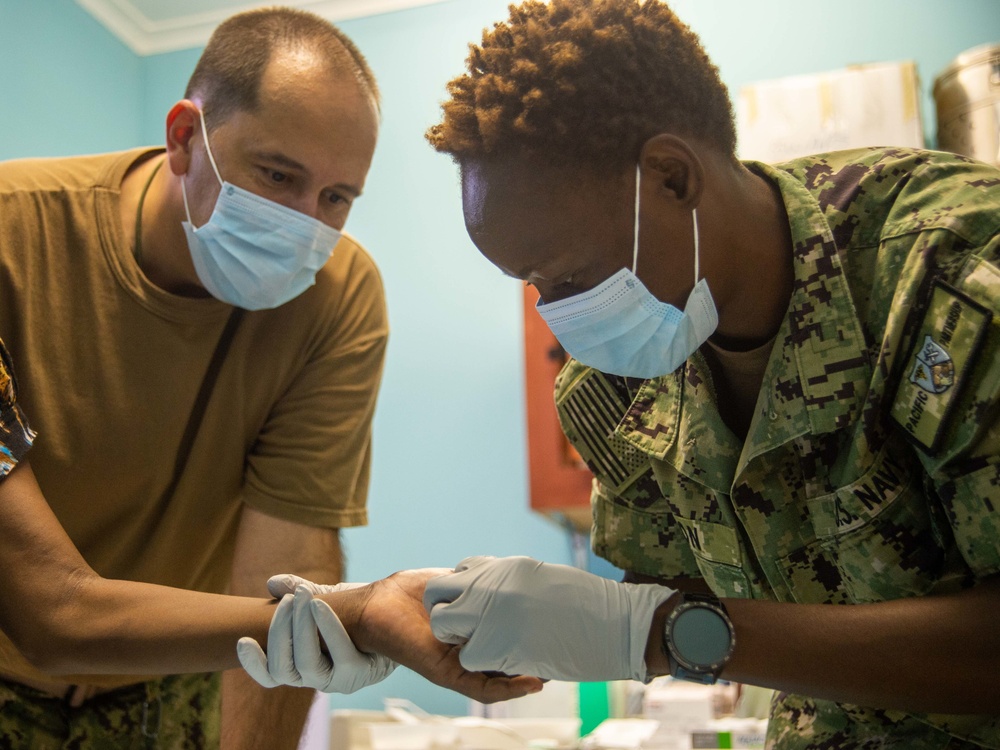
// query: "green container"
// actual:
[[594, 705]]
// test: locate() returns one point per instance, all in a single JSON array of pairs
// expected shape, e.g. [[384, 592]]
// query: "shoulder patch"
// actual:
[[943, 354]]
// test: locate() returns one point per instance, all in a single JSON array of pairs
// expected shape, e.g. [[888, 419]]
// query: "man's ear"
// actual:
[[671, 165], [183, 121]]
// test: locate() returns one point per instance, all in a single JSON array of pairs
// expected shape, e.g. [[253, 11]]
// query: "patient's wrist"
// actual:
[[349, 605]]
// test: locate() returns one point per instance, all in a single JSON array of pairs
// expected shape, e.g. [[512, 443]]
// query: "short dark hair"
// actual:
[[584, 80], [229, 71]]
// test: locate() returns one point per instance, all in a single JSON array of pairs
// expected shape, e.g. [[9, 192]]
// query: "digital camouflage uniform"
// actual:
[[871, 470], [166, 714]]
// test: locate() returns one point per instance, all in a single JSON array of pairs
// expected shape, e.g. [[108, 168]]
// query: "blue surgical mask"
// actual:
[[252, 252], [620, 328]]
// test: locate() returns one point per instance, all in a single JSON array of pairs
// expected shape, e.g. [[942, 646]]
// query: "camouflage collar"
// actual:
[[822, 331], [820, 361]]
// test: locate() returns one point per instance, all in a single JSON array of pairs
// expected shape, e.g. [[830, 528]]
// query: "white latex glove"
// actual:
[[293, 654], [519, 616]]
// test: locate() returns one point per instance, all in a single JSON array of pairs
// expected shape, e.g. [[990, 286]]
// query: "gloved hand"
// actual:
[[517, 615], [293, 654]]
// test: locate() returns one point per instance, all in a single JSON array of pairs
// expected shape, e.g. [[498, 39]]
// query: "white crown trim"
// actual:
[[146, 37]]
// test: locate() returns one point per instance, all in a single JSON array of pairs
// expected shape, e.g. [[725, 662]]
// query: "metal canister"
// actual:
[[967, 96]]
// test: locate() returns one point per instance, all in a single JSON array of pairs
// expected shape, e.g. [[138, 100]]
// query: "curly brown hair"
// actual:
[[584, 80]]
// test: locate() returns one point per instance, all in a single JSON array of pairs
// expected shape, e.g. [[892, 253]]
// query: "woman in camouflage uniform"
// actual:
[[819, 453]]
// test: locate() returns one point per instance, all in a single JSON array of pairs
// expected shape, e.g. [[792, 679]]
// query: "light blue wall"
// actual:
[[449, 473], [67, 86]]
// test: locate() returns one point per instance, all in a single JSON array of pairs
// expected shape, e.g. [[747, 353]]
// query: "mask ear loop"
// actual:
[[635, 244], [211, 160], [694, 218], [184, 195], [208, 149]]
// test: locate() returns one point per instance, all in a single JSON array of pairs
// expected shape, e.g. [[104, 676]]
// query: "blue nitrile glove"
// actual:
[[293, 654], [520, 616]]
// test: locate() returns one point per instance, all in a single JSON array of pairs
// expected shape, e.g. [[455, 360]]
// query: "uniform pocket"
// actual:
[[717, 552], [638, 533], [878, 534]]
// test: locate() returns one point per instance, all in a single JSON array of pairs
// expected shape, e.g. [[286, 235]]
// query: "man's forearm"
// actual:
[[106, 626], [254, 717], [68, 620], [935, 654]]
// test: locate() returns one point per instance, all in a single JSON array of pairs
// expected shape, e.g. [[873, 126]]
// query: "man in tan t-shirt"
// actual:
[[201, 370]]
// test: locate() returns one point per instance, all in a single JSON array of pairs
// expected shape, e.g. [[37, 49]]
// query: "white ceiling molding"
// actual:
[[148, 37]]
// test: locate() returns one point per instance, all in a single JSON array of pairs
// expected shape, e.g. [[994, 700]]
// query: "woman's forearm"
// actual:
[[935, 654]]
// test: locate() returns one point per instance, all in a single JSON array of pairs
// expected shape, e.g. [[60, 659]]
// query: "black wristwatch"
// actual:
[[698, 639]]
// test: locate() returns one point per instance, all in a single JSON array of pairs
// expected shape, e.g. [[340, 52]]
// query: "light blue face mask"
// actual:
[[620, 328], [252, 252]]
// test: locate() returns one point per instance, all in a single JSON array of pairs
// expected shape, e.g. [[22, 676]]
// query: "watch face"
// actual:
[[701, 637]]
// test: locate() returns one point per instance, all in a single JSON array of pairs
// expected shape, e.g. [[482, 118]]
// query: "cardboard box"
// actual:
[[862, 105]]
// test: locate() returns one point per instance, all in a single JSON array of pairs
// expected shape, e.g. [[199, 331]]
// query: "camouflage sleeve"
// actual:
[[948, 402], [633, 527], [15, 434]]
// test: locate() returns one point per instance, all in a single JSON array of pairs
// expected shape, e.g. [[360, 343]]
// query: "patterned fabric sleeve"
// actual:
[[965, 462], [15, 434]]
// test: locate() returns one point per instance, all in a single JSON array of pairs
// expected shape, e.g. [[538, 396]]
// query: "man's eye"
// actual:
[[277, 176], [336, 199]]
